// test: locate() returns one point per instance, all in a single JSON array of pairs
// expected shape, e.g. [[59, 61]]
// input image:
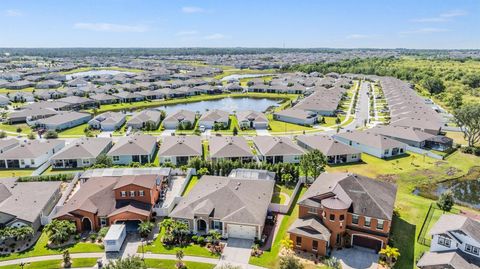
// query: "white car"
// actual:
[[201, 128]]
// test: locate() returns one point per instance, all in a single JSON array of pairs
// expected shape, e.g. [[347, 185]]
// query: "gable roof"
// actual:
[[229, 146], [450, 222], [365, 196], [145, 116], [227, 199], [326, 144], [370, 139], [275, 146], [86, 147], [216, 115], [250, 115], [181, 146], [139, 144], [31, 149]]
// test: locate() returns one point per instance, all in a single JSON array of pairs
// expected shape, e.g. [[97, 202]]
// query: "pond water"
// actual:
[[96, 73], [228, 104], [465, 189]]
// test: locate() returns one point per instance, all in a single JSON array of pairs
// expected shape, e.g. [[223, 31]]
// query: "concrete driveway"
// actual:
[[237, 251], [263, 132], [357, 258]]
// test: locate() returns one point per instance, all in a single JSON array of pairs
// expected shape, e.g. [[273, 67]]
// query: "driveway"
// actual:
[[357, 258], [237, 251], [168, 132], [263, 132]]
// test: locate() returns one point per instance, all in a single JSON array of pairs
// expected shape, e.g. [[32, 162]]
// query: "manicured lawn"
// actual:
[[5, 90], [330, 121], [457, 138], [51, 171], [234, 71], [41, 249], [269, 258], [116, 68], [190, 250], [170, 264], [281, 194], [13, 128], [280, 126], [16, 173], [76, 263], [193, 181]]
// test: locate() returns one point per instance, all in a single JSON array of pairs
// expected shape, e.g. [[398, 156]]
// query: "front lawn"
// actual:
[[15, 173], [170, 264], [12, 128], [76, 263], [41, 249], [76, 131], [269, 258], [191, 250]]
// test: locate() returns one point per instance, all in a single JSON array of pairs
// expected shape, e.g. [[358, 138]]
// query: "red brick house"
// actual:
[[341, 210], [102, 201]]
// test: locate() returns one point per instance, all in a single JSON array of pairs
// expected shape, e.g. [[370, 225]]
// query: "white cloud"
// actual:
[[186, 33], [110, 27], [444, 17], [425, 31], [191, 10], [357, 36], [13, 13], [215, 36]]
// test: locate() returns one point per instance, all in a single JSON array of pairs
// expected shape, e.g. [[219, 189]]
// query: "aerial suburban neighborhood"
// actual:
[[153, 142]]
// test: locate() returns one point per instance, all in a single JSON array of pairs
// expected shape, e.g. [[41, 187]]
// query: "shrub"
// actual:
[[51, 134]]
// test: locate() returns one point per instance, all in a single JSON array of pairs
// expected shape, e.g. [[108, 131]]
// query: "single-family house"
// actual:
[[455, 244], [144, 118], [138, 148], [178, 150], [336, 152], [214, 116], [6, 144], [233, 148], [252, 120], [296, 116], [108, 121], [371, 143], [341, 209], [235, 207], [277, 149], [63, 120], [30, 154], [81, 153], [184, 117]]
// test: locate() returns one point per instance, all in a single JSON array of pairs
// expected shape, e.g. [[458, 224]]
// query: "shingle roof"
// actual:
[[310, 227], [133, 145], [370, 139], [454, 259], [31, 149], [276, 146], [450, 222], [215, 115], [87, 147], [227, 199], [366, 196], [229, 146], [181, 146], [326, 144]]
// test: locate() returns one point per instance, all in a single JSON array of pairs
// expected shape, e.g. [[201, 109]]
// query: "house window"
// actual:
[[22, 162], [386, 152], [86, 161], [217, 225], [350, 142], [312, 210], [32, 161], [368, 221], [116, 158], [354, 156], [471, 249], [132, 193], [332, 217], [355, 219], [141, 193], [380, 224], [299, 241], [123, 194], [342, 217], [103, 222], [445, 242], [314, 245]]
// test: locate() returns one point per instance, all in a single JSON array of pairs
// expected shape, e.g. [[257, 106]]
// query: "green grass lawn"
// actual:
[[5, 90], [13, 128], [193, 181], [191, 250], [116, 68], [281, 194], [41, 249], [269, 258], [76, 263], [15, 173], [281, 127], [75, 131], [170, 264]]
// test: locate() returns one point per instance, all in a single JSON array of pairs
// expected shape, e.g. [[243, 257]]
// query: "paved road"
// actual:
[[363, 105]]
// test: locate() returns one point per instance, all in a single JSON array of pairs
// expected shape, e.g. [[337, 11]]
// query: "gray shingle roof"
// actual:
[[326, 144], [87, 147], [181, 146], [229, 146], [310, 227], [276, 146], [133, 145], [450, 222]]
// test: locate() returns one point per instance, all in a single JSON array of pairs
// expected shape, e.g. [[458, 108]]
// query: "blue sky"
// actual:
[[241, 23]]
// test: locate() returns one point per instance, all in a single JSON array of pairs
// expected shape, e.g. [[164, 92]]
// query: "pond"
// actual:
[[466, 189], [228, 104], [92, 73]]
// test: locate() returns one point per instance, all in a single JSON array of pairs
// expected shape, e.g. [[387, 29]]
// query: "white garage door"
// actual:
[[241, 231]]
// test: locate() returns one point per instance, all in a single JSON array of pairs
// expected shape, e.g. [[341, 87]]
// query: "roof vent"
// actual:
[[236, 188]]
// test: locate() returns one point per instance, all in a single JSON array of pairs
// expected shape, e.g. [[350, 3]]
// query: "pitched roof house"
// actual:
[[277, 149], [341, 209], [179, 117], [63, 120], [108, 121], [178, 150], [372, 143], [232, 147], [335, 151], [455, 244], [214, 116], [139, 148], [236, 207], [252, 119], [81, 153], [141, 119], [20, 206], [30, 154], [103, 201]]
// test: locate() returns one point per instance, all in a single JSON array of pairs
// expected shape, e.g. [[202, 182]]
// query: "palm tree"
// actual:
[[391, 255], [131, 262], [215, 236], [145, 228]]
